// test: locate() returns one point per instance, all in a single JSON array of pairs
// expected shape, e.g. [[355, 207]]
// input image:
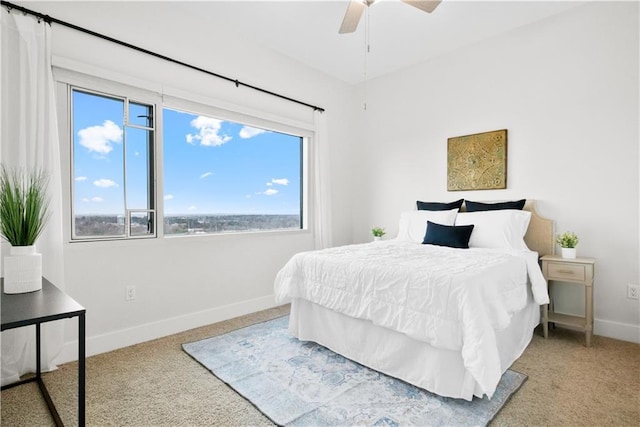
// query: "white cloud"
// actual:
[[248, 132], [86, 200], [100, 138], [168, 196], [208, 132], [81, 178], [269, 184], [97, 199], [270, 192], [280, 181], [192, 208], [105, 183], [206, 174]]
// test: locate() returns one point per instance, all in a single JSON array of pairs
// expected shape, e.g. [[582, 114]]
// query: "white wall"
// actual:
[[567, 91], [187, 282]]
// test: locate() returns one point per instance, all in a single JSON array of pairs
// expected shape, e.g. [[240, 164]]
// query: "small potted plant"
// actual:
[[568, 242], [378, 232], [23, 215]]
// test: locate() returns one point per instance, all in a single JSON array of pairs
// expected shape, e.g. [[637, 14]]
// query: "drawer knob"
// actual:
[[565, 271]]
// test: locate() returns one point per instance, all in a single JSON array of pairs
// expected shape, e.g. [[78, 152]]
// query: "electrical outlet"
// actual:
[[130, 293], [633, 291]]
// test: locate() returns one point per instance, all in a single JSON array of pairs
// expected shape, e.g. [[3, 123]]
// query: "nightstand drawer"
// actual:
[[566, 272]]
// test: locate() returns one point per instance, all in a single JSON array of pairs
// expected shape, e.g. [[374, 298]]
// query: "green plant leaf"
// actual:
[[568, 239], [24, 205]]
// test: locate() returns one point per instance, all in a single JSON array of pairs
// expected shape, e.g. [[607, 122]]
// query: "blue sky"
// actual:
[[210, 166]]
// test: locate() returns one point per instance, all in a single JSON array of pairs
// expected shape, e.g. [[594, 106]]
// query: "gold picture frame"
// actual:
[[477, 162]]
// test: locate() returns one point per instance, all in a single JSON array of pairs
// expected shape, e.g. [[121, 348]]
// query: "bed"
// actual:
[[446, 319]]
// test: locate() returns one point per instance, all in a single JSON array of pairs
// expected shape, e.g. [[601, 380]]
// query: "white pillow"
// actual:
[[413, 224], [503, 229]]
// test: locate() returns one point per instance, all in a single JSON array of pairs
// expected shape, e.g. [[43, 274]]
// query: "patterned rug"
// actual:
[[297, 383]]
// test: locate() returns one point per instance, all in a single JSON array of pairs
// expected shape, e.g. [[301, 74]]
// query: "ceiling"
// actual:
[[306, 30]]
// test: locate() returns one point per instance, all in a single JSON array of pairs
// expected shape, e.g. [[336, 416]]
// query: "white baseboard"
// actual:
[[138, 334], [619, 331], [126, 337]]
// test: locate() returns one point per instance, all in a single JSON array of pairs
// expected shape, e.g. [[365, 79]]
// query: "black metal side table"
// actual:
[[35, 308]]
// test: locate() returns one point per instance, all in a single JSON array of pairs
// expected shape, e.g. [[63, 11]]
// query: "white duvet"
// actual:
[[449, 298]]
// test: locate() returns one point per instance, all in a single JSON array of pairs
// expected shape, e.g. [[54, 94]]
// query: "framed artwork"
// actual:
[[477, 162]]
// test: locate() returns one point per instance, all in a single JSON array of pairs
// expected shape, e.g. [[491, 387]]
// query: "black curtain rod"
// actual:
[[48, 19]]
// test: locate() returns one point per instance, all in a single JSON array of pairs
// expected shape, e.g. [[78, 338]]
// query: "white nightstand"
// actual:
[[578, 270]]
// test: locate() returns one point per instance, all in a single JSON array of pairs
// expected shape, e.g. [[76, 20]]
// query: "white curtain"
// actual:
[[322, 184], [29, 138]]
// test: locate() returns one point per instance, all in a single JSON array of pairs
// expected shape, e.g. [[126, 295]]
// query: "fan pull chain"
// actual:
[[367, 50]]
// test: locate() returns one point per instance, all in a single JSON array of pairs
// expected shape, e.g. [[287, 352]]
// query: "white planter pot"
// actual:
[[377, 238], [568, 253], [22, 270]]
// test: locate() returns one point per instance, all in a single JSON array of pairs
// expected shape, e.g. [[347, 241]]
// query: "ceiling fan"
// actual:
[[357, 7]]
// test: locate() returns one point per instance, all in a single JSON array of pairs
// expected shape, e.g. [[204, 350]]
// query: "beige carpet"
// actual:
[[157, 384]]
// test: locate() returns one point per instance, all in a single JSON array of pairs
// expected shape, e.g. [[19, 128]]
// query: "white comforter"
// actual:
[[449, 298]]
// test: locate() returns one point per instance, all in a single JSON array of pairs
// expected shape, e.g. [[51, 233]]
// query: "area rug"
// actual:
[[298, 383]]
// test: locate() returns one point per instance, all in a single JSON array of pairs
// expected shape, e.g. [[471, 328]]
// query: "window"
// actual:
[[112, 166], [220, 176], [214, 175]]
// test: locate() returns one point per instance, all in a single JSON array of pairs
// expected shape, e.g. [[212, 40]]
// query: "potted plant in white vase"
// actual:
[[23, 215], [568, 242], [378, 232]]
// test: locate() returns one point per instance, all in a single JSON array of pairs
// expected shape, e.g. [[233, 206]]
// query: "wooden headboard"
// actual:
[[540, 235]]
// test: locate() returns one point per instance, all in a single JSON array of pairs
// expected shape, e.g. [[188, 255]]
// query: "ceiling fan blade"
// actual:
[[425, 5], [352, 17]]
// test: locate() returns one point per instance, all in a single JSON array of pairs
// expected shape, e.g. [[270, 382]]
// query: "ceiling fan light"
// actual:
[[356, 8]]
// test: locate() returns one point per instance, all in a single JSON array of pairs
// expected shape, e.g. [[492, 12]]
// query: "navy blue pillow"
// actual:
[[454, 236], [477, 206], [436, 206]]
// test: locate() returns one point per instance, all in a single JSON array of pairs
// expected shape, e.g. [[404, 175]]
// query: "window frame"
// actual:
[[305, 135], [67, 79], [152, 165]]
